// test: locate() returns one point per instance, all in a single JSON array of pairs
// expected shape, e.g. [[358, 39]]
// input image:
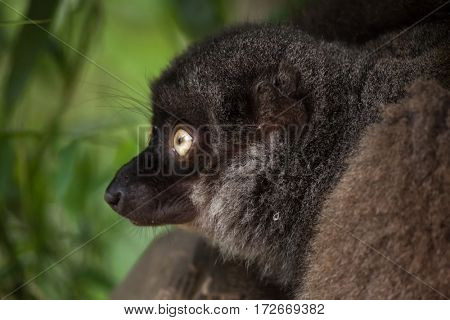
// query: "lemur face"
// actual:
[[217, 120]]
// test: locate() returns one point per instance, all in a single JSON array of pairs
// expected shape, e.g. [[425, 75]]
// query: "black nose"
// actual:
[[112, 197]]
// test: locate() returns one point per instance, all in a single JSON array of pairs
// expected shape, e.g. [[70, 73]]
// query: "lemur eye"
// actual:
[[182, 142]]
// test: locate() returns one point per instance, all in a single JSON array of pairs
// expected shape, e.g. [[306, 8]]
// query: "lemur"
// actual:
[[254, 129]]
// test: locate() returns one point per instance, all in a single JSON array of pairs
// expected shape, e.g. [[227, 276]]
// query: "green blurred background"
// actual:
[[70, 105]]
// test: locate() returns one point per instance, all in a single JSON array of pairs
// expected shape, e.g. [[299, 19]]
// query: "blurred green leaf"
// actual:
[[28, 45], [200, 18], [3, 41]]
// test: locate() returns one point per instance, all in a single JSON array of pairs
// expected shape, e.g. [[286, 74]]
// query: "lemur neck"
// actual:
[[330, 77]]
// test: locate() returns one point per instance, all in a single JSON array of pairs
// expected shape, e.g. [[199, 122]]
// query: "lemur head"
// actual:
[[223, 127]]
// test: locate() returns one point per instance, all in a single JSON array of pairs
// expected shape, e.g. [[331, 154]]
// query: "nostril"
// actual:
[[113, 198]]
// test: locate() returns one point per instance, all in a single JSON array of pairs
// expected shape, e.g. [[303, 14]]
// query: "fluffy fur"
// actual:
[[237, 210], [384, 231], [264, 202]]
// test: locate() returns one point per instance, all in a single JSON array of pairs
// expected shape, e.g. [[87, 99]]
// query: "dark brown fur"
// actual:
[[384, 232], [357, 21]]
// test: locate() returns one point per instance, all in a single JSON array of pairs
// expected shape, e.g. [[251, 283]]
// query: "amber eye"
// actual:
[[182, 142]]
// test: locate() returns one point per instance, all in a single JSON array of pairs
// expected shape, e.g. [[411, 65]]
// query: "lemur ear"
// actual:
[[275, 109]]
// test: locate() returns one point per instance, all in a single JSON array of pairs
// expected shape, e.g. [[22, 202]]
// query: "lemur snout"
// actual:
[[113, 197]]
